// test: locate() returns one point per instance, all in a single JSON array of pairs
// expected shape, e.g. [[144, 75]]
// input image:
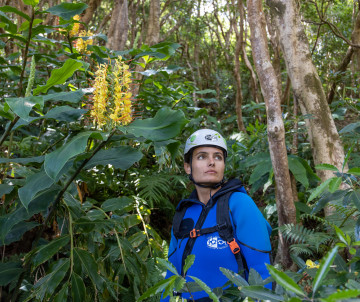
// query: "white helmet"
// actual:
[[204, 137]]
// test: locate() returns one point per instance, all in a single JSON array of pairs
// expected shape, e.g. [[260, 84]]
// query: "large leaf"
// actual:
[[9, 271], [189, 261], [206, 289], [65, 113], [71, 96], [50, 282], [343, 295], [234, 278], [116, 204], [284, 280], [45, 252], [319, 189], [354, 197], [78, 290], [261, 293], [18, 231], [324, 268], [67, 10], [39, 204], [5, 189], [56, 160], [354, 171], [10, 9], [23, 106], [157, 288], [166, 124], [260, 170], [34, 184], [59, 76], [90, 266], [122, 157], [298, 170], [24, 161], [168, 265], [8, 24]]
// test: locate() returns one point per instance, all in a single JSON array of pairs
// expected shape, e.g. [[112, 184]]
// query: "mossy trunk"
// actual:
[[276, 131], [323, 135]]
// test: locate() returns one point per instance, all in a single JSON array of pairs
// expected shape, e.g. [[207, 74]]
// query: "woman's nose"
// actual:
[[211, 162]]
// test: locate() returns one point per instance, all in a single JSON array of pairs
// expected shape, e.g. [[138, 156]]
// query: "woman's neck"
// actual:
[[204, 194]]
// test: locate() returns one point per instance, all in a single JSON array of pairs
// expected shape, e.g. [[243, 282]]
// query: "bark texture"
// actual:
[[119, 25], [89, 12], [153, 28], [276, 131], [307, 87]]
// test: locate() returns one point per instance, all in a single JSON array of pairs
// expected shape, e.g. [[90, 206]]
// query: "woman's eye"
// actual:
[[218, 157], [201, 157]]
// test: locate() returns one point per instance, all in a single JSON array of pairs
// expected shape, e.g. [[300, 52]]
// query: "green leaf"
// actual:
[[354, 197], [56, 160], [78, 290], [326, 167], [168, 265], [45, 252], [5, 189], [284, 280], [166, 124], [116, 204], [34, 184], [298, 170], [212, 91], [334, 184], [343, 295], [341, 235], [189, 261], [234, 278], [50, 282], [11, 9], [260, 170], [33, 3], [261, 293], [23, 106], [157, 288], [71, 96], [122, 157], [18, 231], [319, 189], [23, 161], [65, 113], [67, 10], [206, 289], [9, 26], [324, 268], [9, 271], [59, 76], [61, 296], [90, 266], [354, 171]]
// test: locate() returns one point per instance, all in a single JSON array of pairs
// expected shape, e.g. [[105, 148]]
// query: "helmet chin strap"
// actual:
[[212, 186]]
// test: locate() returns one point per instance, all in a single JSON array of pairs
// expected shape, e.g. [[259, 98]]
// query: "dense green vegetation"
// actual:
[[87, 196]]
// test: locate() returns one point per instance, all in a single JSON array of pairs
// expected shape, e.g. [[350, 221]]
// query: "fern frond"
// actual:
[[296, 233], [321, 220], [154, 188], [301, 249]]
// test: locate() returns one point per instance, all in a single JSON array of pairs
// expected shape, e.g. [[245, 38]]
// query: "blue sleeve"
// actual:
[[252, 230]]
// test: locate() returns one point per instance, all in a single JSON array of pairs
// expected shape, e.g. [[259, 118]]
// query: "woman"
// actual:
[[219, 223]]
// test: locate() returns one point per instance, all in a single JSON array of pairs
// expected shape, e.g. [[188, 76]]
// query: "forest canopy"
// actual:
[[97, 99]]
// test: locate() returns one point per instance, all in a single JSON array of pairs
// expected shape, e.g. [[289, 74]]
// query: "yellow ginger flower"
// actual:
[[100, 99], [122, 113], [75, 30], [81, 44], [311, 264]]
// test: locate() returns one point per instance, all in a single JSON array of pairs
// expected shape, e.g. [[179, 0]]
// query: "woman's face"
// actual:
[[208, 165]]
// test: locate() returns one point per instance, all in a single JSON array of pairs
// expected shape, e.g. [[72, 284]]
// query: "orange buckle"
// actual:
[[235, 248], [194, 233]]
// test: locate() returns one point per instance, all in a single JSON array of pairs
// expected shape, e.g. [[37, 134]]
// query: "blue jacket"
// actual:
[[211, 252]]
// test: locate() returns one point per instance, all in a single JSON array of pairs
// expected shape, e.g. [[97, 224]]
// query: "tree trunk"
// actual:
[[276, 131], [323, 135], [89, 12], [153, 28], [119, 25]]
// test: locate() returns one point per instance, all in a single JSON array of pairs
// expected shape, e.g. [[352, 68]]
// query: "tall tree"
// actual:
[[119, 25], [276, 130], [308, 89], [153, 26]]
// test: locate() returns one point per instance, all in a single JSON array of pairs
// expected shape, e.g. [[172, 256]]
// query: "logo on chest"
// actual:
[[215, 242]]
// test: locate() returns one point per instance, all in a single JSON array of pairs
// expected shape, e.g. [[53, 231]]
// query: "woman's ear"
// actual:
[[187, 168]]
